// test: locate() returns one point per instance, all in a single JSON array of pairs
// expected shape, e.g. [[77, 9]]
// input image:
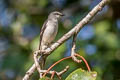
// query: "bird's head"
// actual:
[[56, 14]]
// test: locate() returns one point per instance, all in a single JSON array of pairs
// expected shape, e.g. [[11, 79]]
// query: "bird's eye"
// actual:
[[56, 14]]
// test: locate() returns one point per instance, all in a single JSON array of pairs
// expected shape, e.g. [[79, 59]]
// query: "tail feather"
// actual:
[[42, 61]]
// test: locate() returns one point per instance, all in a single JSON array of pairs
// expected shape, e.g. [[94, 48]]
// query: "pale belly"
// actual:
[[50, 33]]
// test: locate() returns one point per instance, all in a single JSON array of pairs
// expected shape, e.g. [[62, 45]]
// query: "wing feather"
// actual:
[[41, 32]]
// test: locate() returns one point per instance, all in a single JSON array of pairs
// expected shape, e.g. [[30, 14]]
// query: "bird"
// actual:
[[48, 33]]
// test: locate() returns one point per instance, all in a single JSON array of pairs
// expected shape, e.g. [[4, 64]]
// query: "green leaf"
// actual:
[[80, 74]]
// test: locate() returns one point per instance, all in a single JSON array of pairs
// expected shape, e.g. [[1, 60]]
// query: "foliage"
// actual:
[[98, 42], [80, 74]]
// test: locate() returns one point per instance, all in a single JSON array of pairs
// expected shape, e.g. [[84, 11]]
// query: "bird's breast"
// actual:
[[50, 31]]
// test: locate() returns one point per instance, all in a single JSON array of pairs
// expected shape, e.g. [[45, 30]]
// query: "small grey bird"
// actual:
[[48, 32]]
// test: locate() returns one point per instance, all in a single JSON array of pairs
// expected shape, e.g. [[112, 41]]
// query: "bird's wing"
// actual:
[[41, 32]]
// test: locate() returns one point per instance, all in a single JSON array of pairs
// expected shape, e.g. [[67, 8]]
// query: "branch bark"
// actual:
[[65, 37], [73, 49], [36, 61]]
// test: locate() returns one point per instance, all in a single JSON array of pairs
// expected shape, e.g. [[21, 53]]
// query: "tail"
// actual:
[[42, 61]]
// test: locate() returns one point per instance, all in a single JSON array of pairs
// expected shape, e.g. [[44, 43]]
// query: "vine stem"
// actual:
[[77, 55]]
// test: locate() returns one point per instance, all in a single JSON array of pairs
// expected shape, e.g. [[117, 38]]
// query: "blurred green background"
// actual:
[[98, 41]]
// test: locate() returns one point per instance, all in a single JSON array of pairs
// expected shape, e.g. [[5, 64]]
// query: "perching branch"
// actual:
[[78, 27], [37, 63], [32, 69], [65, 37]]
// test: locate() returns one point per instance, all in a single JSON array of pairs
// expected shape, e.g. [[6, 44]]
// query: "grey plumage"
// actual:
[[48, 32]]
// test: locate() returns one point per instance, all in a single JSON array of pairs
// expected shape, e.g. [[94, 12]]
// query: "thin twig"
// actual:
[[86, 63], [76, 55], [58, 76], [32, 69], [37, 63], [53, 75], [29, 72], [73, 49], [55, 64], [60, 73], [63, 71]]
